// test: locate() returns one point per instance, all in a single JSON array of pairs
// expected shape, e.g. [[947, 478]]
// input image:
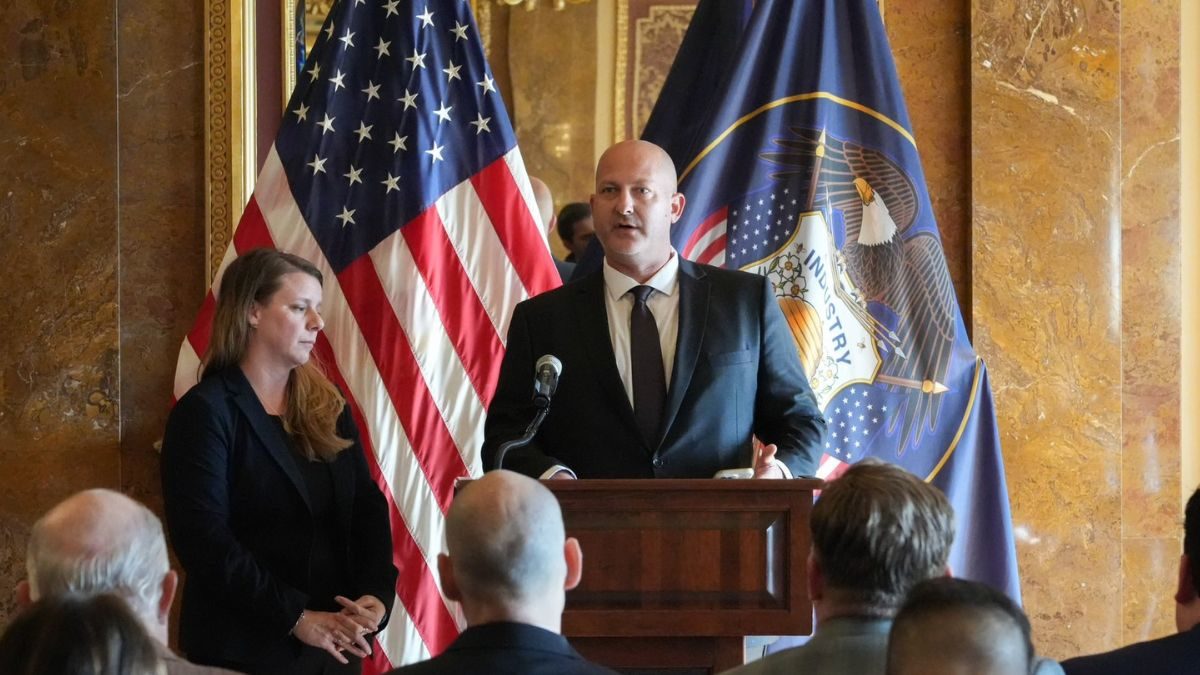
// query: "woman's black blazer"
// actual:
[[238, 518]]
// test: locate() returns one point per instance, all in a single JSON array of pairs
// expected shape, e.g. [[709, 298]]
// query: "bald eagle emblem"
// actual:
[[879, 266]]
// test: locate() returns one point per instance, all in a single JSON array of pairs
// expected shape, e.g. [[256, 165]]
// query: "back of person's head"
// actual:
[[1191, 538], [100, 541], [506, 543], [877, 531], [569, 215], [954, 626], [77, 635], [1187, 591], [544, 200]]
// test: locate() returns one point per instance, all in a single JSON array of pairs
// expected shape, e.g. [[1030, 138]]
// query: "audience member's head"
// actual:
[[1187, 594], [959, 627], [876, 531], [96, 635], [508, 559], [100, 541], [545, 202], [575, 227]]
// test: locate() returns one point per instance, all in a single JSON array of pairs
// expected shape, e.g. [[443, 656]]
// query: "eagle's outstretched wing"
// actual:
[[924, 296]]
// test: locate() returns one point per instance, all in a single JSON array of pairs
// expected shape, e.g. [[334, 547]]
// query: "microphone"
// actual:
[[545, 381], [546, 374]]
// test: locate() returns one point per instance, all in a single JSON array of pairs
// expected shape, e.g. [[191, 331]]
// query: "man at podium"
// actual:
[[663, 368]]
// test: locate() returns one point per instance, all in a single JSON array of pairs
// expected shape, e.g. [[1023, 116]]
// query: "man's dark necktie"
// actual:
[[649, 378]]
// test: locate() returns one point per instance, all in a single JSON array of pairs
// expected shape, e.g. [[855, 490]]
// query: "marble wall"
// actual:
[[102, 223], [1075, 175]]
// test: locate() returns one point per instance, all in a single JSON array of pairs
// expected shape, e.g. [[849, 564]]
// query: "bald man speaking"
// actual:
[[669, 368]]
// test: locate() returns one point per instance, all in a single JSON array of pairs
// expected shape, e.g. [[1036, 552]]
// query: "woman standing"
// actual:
[[281, 531]]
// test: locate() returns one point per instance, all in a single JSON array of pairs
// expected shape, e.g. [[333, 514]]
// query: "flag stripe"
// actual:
[[202, 331], [442, 371], [493, 276], [519, 234], [705, 232], [462, 315], [713, 251], [393, 355]]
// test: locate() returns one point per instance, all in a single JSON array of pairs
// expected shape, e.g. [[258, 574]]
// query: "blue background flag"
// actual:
[[796, 155]]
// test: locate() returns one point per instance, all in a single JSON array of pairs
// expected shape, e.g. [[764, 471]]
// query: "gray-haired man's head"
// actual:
[[100, 541]]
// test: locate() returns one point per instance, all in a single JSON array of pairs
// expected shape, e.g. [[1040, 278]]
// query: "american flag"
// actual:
[[396, 171]]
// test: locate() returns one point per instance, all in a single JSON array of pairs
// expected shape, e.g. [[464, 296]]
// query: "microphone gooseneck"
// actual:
[[545, 382]]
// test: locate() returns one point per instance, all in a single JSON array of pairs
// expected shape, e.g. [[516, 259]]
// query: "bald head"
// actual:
[[635, 203], [958, 627], [545, 202], [100, 541], [643, 153], [508, 558]]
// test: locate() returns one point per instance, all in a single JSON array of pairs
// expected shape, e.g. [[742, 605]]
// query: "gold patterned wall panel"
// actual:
[[655, 32], [553, 68]]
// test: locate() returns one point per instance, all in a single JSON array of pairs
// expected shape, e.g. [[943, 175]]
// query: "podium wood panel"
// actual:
[[685, 562]]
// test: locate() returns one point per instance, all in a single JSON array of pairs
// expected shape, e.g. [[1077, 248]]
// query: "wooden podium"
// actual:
[[677, 572]]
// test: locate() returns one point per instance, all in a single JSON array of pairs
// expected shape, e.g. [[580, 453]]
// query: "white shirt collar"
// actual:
[[665, 280]]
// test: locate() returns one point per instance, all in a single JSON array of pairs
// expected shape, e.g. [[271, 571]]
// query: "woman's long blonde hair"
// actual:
[[313, 402]]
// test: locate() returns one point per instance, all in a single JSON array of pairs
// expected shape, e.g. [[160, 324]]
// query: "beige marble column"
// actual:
[[1075, 175], [1150, 315], [59, 378], [1045, 127], [103, 246]]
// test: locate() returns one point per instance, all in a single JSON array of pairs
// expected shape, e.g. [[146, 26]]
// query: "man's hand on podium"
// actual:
[[765, 465]]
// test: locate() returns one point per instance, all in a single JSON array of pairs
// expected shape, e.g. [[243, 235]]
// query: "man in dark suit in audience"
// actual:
[[876, 531], [1178, 653], [669, 368], [953, 626], [509, 564], [575, 229], [100, 541]]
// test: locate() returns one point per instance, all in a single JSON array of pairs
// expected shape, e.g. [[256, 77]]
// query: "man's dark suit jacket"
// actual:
[[238, 518], [1171, 655], [736, 373], [504, 649]]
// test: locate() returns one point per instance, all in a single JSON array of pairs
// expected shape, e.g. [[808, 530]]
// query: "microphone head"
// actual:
[[549, 360]]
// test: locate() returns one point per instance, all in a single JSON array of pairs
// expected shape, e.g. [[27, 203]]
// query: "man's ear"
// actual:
[[574, 557], [948, 572], [1185, 589], [24, 594], [170, 583], [815, 577], [449, 583], [678, 201]]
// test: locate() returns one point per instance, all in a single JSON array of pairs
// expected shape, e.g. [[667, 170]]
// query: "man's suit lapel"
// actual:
[[268, 432], [693, 317], [593, 323]]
